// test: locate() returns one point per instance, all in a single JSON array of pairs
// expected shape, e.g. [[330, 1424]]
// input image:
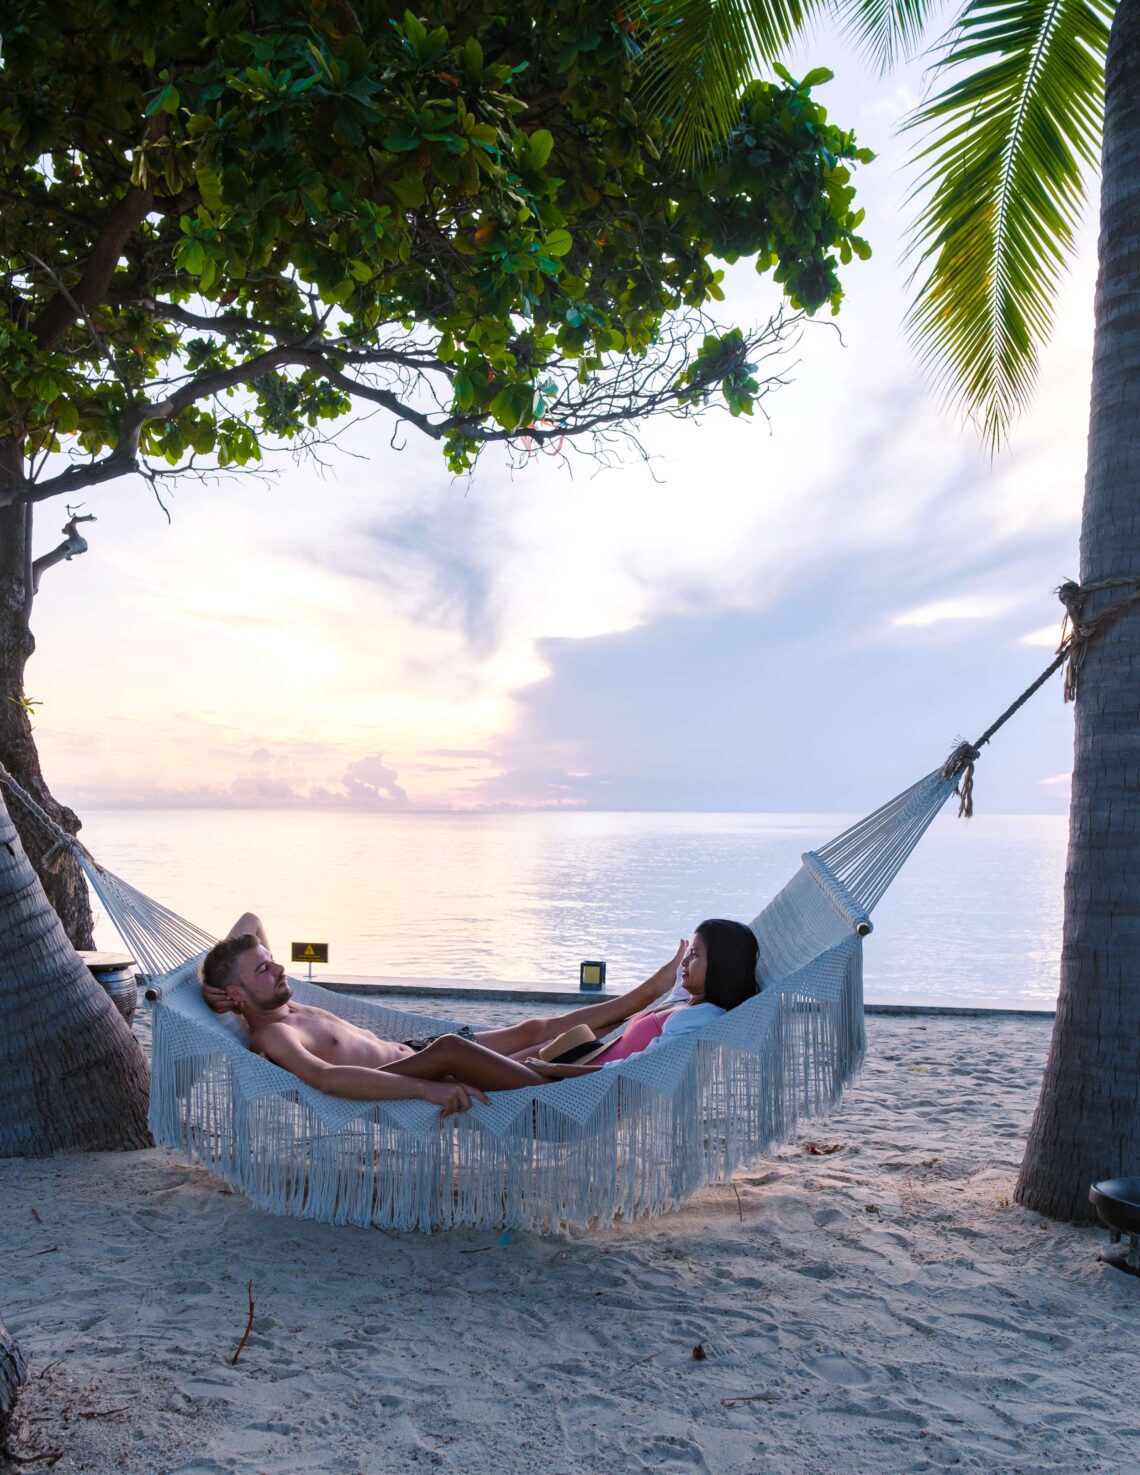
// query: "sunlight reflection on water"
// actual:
[[975, 918]]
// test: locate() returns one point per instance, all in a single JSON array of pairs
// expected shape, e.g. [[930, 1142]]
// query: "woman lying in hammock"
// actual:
[[718, 971], [239, 975]]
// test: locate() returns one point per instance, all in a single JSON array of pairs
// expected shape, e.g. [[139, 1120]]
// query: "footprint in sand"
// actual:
[[835, 1368], [668, 1452]]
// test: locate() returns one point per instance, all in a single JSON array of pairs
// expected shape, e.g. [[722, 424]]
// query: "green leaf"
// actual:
[[414, 29], [558, 242], [401, 141], [1016, 135], [889, 31], [355, 54], [190, 257], [700, 56], [165, 100], [539, 148], [209, 184]]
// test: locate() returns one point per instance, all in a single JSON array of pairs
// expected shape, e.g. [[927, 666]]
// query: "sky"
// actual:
[[803, 613]]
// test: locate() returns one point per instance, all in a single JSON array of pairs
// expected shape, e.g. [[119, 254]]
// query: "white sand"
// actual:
[[882, 1307]]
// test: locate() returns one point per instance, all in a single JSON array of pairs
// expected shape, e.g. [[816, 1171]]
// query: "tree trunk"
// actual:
[[72, 1076], [13, 1376], [1087, 1124], [61, 877]]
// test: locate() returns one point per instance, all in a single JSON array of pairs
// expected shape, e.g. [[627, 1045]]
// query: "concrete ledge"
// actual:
[[455, 988], [523, 993], [955, 1011]]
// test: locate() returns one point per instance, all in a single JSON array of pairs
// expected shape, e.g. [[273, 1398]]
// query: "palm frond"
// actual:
[[1005, 183], [700, 55], [888, 31]]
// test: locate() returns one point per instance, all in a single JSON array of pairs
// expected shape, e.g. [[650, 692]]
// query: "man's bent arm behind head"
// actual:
[[250, 922]]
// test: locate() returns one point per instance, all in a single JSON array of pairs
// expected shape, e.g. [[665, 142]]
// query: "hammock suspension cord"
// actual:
[[159, 939], [1076, 632]]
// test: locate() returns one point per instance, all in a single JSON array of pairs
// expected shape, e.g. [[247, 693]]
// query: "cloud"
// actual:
[[957, 607], [1048, 637], [370, 783], [782, 710], [367, 783]]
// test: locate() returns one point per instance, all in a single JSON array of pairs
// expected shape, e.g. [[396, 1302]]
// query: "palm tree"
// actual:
[[72, 1076], [1087, 1124], [1035, 88]]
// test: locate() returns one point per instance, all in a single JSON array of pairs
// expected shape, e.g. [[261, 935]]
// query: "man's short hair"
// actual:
[[218, 966]]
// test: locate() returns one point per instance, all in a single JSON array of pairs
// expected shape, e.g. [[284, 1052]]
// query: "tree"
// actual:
[[1033, 85], [73, 1076], [225, 226], [1087, 1123]]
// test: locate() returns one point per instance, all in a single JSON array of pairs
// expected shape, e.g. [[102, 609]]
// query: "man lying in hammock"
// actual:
[[239, 976]]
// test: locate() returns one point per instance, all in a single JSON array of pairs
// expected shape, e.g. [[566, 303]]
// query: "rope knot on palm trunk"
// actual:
[[1076, 631]]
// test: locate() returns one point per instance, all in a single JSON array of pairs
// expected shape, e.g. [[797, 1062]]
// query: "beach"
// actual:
[[867, 1298]]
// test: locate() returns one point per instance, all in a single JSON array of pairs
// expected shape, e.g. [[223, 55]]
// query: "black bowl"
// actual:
[[1117, 1202]]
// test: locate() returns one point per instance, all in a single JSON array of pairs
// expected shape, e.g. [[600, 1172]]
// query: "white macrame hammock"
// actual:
[[636, 1139]]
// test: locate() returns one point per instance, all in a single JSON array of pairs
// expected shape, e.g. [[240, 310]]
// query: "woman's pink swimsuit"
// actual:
[[641, 1030]]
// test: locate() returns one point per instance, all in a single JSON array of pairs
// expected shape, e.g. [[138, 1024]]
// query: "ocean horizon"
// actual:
[[974, 919]]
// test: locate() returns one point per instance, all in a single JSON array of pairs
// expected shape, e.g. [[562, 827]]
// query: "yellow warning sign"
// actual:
[[310, 952]]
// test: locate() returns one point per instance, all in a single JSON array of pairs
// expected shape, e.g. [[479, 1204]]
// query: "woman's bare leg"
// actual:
[[468, 1063], [532, 1034]]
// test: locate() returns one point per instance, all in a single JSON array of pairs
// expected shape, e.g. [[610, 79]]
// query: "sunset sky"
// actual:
[[795, 616]]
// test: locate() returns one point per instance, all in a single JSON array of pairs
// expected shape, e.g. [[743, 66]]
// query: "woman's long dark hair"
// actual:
[[731, 951]]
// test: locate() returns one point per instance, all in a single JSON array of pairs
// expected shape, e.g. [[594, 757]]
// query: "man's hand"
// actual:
[[217, 999], [451, 1097]]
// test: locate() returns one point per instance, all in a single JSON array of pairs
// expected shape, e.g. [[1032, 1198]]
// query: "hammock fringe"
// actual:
[[635, 1140]]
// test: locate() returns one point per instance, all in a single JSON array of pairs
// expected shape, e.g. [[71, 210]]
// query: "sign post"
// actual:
[[310, 952]]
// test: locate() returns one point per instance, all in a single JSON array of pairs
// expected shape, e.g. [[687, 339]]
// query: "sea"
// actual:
[[973, 920]]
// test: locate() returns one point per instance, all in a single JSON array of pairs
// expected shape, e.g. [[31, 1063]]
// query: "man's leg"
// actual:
[[467, 1062], [531, 1034]]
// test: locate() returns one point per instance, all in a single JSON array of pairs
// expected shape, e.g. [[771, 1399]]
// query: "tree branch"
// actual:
[[42, 200], [633, 389], [226, 325], [391, 402], [61, 311], [123, 460], [77, 307], [72, 544]]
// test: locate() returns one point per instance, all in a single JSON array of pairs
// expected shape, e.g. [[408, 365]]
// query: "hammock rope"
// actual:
[[1076, 632], [159, 940]]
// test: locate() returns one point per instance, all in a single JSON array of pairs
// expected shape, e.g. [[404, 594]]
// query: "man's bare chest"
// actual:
[[340, 1043]]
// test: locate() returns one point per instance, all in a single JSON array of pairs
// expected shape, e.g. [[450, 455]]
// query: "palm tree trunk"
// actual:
[[72, 1076], [1087, 1124]]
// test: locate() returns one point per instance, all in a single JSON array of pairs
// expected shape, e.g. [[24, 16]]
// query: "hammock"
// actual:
[[637, 1138]]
